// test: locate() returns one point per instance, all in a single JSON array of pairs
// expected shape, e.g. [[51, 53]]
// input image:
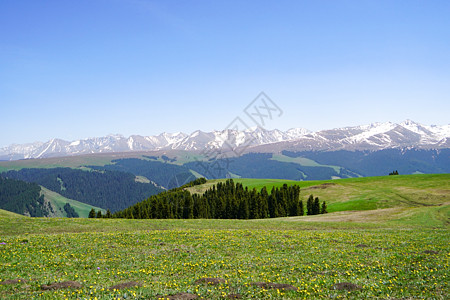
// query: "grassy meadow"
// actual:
[[398, 251]]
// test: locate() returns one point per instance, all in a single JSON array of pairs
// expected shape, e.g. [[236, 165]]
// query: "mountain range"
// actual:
[[375, 136]]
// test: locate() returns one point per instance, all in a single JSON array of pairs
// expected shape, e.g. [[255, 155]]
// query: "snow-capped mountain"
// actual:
[[374, 136]]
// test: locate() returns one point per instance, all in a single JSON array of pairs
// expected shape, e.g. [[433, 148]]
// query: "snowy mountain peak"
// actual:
[[409, 122], [373, 136]]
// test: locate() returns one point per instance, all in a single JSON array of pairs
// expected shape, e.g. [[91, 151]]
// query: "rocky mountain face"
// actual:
[[374, 136]]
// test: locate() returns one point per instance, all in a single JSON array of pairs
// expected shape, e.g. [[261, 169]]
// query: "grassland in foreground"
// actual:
[[399, 252], [395, 258]]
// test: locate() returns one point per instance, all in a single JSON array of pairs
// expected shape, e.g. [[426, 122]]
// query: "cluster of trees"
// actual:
[[394, 172], [227, 200], [98, 214], [197, 181], [313, 206], [107, 189], [70, 211], [23, 198]]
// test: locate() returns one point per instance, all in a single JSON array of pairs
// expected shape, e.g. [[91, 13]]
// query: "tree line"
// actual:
[[112, 190], [225, 200], [23, 198]]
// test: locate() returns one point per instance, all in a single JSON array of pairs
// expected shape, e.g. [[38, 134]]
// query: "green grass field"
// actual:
[[398, 251]]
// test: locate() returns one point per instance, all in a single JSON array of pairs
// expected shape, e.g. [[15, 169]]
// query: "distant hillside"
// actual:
[[23, 198], [106, 189], [59, 203], [173, 168], [164, 174], [379, 163], [321, 165]]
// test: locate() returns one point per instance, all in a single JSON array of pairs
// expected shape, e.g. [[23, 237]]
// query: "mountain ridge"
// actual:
[[374, 136]]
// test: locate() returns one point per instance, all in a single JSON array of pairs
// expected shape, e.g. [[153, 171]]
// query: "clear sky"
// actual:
[[86, 68]]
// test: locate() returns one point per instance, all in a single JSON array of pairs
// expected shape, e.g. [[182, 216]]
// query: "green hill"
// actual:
[[365, 193], [23, 198], [4, 214], [59, 201], [36, 201], [113, 190]]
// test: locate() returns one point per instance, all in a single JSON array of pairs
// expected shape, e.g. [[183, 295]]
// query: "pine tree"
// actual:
[[316, 206], [323, 210], [108, 214], [99, 214], [309, 205], [301, 211], [245, 210], [92, 213]]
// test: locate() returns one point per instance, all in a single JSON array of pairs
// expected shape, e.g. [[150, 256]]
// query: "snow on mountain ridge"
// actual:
[[370, 130], [370, 137]]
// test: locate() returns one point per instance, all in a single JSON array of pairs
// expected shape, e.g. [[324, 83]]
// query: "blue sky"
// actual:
[[85, 68]]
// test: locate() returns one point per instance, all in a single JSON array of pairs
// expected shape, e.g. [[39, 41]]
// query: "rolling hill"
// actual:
[[36, 201], [111, 190], [367, 193], [58, 202]]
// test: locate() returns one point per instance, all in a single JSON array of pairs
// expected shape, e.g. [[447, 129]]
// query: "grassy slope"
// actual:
[[364, 193], [302, 161], [5, 215], [59, 201]]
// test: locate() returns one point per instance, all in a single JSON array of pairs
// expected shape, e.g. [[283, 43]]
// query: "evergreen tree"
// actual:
[[92, 213], [323, 210], [108, 214], [316, 206], [309, 205], [70, 211], [301, 211], [224, 200], [245, 211], [264, 203], [272, 204], [99, 214]]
